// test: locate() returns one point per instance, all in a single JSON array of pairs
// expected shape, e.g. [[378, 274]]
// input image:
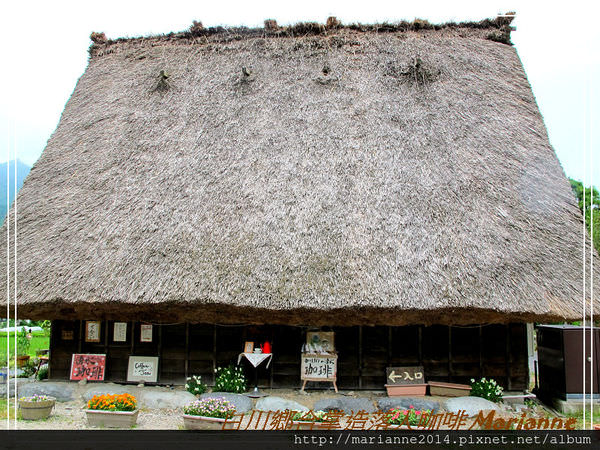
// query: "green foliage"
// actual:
[[23, 343], [578, 190], [488, 389], [230, 379], [42, 373], [28, 369], [195, 386]]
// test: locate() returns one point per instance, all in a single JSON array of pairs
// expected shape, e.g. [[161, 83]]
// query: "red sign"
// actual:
[[87, 366]]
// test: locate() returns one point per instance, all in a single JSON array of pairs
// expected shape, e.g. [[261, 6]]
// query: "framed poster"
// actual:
[[142, 368], [66, 335], [120, 332], [320, 341], [92, 331], [88, 366], [249, 347], [145, 332]]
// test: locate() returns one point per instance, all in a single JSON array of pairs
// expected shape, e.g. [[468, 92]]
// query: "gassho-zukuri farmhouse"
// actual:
[[392, 183]]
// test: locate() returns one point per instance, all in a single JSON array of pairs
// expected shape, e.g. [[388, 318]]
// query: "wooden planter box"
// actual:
[[36, 410], [111, 419], [196, 422], [406, 390], [449, 389]]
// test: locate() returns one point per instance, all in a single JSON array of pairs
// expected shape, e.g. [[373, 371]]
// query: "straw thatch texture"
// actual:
[[312, 179]]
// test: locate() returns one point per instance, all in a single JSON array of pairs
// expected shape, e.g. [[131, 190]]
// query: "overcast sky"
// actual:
[[44, 51]]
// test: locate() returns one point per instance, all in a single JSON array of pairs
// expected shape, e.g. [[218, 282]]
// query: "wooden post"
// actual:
[[508, 358], [480, 351], [360, 360], [420, 349], [159, 368], [132, 338], [187, 349], [389, 349], [214, 353], [80, 342], [106, 338], [450, 370], [51, 344]]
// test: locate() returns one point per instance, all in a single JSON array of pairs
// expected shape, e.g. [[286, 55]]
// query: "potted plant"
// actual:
[[406, 418], [23, 343], [310, 420], [403, 390], [207, 410], [114, 411], [36, 407]]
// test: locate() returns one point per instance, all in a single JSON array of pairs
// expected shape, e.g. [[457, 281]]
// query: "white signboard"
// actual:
[[318, 368], [146, 333], [143, 368], [120, 332]]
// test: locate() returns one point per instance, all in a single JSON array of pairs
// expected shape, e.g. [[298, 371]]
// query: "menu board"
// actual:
[[143, 368], [318, 368], [88, 366]]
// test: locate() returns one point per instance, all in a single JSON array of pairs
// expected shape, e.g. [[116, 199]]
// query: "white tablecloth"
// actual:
[[256, 358]]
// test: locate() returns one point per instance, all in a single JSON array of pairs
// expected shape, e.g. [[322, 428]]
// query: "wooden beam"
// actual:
[[159, 352], [132, 338], [214, 352]]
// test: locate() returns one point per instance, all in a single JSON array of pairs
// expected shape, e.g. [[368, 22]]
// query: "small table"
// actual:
[[256, 359]]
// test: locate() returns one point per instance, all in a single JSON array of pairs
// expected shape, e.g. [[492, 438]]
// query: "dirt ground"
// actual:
[[71, 415]]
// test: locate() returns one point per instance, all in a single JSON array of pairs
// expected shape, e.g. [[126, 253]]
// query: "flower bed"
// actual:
[[207, 410], [116, 411], [411, 417], [36, 407]]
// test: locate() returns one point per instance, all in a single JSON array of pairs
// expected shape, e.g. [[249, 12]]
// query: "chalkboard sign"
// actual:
[[318, 368], [405, 375], [88, 367], [143, 368]]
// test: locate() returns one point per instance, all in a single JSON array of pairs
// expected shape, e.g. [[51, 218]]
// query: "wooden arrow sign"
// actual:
[[405, 375]]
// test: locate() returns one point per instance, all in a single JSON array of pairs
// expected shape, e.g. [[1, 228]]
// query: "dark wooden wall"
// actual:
[[454, 354]]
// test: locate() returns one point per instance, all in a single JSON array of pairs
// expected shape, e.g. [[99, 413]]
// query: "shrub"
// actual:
[[108, 402], [195, 385], [410, 416], [23, 343], [230, 379], [210, 407], [28, 369], [42, 373], [488, 389]]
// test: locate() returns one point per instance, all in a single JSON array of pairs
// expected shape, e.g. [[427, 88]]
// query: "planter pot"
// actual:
[[22, 360], [197, 422], [406, 390], [36, 410], [307, 425], [449, 389], [111, 419]]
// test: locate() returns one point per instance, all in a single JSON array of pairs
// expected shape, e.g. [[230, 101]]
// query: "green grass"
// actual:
[[39, 341], [4, 411], [588, 423]]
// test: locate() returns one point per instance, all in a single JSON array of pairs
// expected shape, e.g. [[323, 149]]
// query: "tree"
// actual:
[[593, 228]]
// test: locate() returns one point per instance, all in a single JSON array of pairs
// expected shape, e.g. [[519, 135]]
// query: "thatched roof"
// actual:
[[343, 175]]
